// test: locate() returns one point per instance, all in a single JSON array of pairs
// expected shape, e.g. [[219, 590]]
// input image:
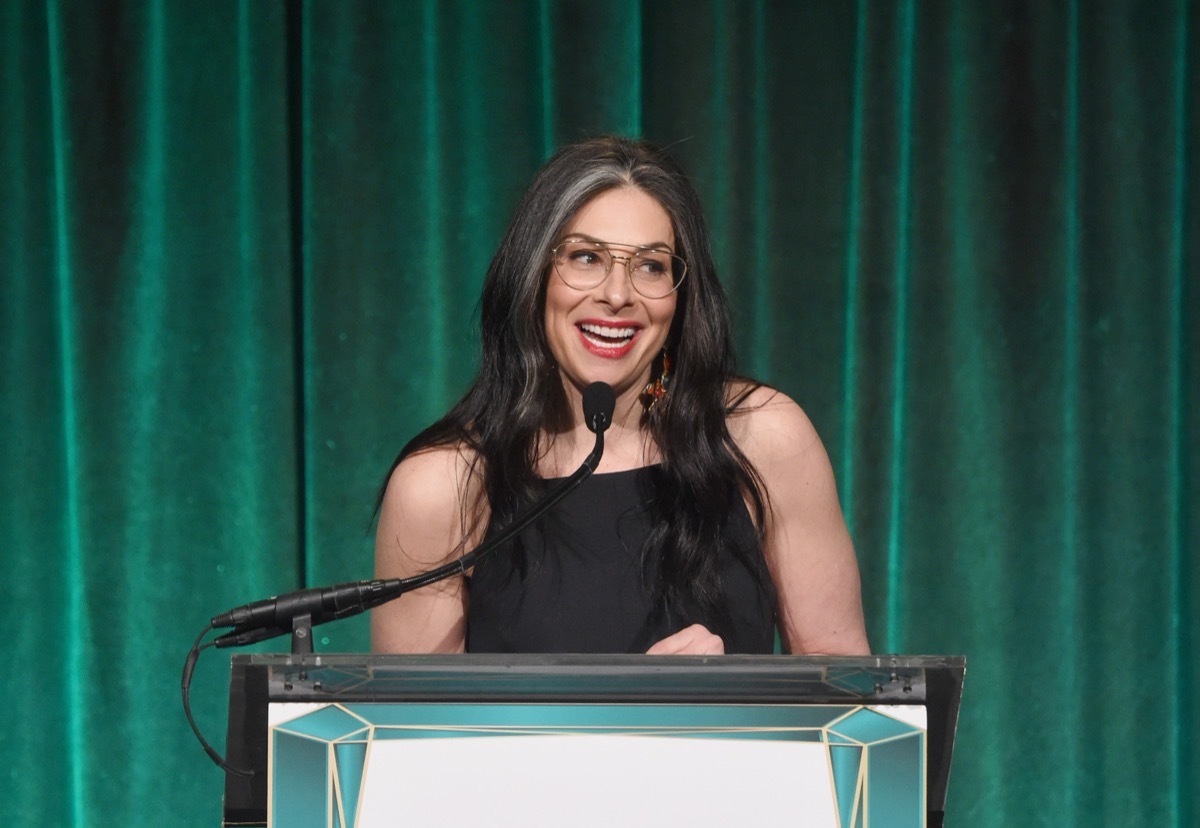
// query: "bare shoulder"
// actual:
[[768, 425], [426, 477], [422, 517]]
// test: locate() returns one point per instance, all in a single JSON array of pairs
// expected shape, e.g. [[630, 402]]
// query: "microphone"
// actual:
[[598, 404], [271, 617]]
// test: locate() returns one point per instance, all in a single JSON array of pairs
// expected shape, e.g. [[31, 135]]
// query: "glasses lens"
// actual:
[[655, 273], [582, 265]]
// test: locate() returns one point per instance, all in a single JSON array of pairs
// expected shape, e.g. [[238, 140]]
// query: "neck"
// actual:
[[627, 444]]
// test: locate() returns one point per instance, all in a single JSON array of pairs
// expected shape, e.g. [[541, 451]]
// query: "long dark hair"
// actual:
[[517, 393]]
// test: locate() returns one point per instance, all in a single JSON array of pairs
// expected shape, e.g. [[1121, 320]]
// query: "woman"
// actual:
[[713, 515]]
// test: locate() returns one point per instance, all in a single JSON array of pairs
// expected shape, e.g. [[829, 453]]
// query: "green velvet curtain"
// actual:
[[241, 245]]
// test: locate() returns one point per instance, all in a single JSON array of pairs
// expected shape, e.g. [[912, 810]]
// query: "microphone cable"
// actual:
[[189, 667]]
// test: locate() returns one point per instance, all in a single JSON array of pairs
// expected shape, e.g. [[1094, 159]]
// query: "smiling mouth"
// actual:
[[607, 336]]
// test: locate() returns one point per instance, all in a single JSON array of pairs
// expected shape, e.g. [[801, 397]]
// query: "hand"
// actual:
[[693, 640]]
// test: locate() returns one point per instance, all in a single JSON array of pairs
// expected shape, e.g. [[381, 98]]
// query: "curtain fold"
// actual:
[[242, 246]]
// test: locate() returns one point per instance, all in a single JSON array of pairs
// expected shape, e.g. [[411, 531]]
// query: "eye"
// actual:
[[582, 256], [585, 257], [654, 267]]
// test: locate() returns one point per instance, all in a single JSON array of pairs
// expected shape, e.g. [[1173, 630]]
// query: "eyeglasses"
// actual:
[[583, 264]]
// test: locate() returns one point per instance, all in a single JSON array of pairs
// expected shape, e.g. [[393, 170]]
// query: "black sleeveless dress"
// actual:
[[581, 584]]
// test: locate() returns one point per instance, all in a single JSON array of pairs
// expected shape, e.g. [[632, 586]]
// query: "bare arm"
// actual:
[[420, 527], [807, 546]]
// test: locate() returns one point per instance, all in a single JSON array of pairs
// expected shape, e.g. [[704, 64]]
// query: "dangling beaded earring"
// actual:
[[656, 389]]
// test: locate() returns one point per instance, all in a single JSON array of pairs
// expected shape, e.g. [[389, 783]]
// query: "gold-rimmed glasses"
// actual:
[[583, 264]]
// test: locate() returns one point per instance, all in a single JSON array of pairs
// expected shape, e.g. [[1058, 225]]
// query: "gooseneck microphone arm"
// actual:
[[275, 616]]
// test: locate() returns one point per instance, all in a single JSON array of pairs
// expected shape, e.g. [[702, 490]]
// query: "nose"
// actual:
[[618, 285]]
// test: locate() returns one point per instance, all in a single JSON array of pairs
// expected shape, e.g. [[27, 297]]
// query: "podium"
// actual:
[[348, 740]]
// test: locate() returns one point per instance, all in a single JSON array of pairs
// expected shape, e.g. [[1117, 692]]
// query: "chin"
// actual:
[[619, 380]]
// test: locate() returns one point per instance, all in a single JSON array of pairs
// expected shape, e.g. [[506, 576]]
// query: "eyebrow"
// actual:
[[654, 245]]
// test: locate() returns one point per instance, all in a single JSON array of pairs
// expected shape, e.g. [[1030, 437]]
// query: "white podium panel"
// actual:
[[373, 765]]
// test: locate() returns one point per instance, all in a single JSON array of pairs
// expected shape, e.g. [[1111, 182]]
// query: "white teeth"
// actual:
[[609, 333]]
